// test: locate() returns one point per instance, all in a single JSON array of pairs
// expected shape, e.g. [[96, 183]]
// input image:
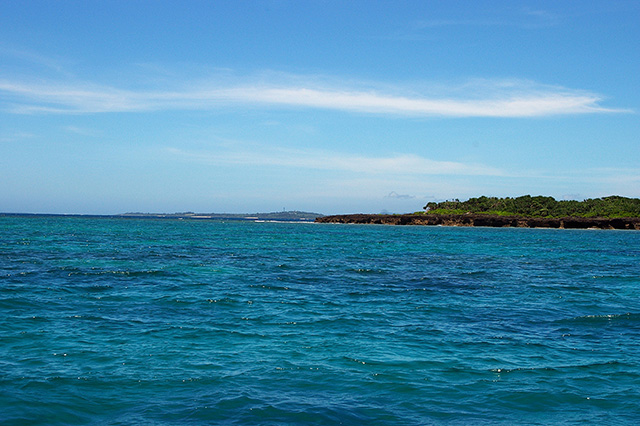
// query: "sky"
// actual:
[[331, 107]]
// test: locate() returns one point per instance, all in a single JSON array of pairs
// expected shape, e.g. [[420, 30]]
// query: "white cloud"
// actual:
[[526, 18], [508, 98], [17, 136], [394, 194], [32, 58], [325, 160], [81, 131]]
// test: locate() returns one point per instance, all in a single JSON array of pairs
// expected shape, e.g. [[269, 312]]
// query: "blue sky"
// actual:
[[325, 106]]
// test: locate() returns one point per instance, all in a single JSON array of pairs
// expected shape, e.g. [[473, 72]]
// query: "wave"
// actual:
[[601, 319], [126, 273], [604, 364]]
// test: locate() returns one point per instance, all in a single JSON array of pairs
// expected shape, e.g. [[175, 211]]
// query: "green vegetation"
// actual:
[[539, 206]]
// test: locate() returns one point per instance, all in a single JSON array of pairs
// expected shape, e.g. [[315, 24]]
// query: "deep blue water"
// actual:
[[123, 321]]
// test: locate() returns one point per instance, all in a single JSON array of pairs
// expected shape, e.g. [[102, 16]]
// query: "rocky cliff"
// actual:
[[485, 220]]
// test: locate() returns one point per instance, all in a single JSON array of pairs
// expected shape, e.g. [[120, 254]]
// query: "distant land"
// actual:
[[612, 212], [295, 216], [284, 216], [488, 220], [613, 206]]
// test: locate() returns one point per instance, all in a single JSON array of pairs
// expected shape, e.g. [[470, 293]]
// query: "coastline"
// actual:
[[285, 216], [495, 221]]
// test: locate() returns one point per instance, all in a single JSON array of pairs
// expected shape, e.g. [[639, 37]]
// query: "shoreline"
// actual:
[[485, 220], [291, 216]]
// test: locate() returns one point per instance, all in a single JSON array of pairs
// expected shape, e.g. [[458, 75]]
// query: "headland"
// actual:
[[613, 212], [495, 221]]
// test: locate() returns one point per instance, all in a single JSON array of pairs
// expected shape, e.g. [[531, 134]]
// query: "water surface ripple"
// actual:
[[126, 322]]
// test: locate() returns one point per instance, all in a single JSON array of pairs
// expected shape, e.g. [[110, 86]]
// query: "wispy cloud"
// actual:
[[510, 99], [33, 59], [541, 18], [431, 27], [521, 18], [81, 131], [17, 137], [395, 195], [333, 161]]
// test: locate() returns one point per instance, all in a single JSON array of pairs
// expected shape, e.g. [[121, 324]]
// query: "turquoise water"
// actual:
[[123, 321]]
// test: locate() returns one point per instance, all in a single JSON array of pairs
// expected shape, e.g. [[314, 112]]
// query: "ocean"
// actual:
[[113, 321]]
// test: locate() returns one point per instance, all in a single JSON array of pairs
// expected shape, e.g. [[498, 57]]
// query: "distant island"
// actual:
[[288, 216], [612, 212], [284, 216]]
